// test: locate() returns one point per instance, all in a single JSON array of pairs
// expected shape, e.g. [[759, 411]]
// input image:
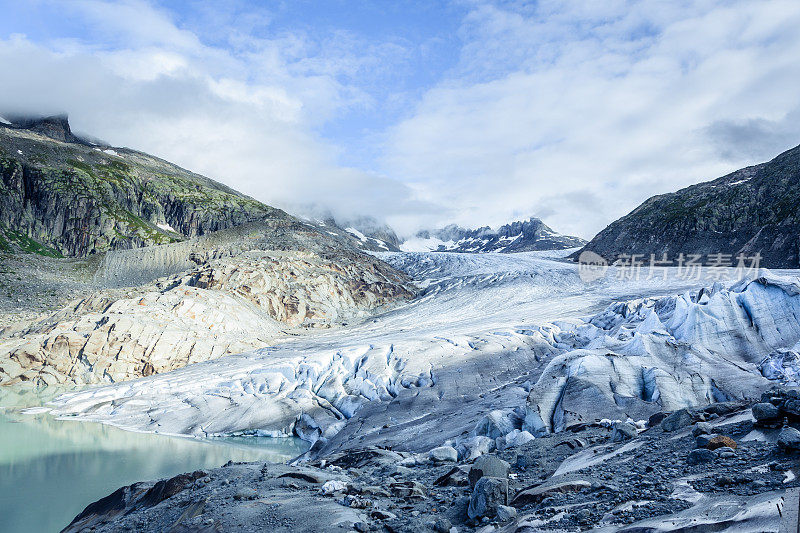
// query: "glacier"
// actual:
[[517, 338]]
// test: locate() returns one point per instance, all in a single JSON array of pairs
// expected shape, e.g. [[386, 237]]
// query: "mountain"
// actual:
[[525, 236], [753, 210], [369, 234], [165, 268], [61, 195]]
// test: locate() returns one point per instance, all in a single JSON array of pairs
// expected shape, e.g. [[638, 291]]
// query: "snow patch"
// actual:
[[166, 227], [357, 234]]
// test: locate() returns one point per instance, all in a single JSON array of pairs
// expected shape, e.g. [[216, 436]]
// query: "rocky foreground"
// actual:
[[725, 467]]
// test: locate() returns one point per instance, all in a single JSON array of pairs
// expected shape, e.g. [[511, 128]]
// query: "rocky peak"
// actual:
[[55, 127], [519, 236]]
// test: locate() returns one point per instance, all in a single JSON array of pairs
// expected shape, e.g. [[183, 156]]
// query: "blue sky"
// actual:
[[422, 113]]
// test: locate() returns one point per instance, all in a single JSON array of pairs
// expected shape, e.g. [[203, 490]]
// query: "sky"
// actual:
[[422, 113]]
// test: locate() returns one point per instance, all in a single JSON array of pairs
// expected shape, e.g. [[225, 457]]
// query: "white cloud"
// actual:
[[573, 111], [578, 111], [244, 114]]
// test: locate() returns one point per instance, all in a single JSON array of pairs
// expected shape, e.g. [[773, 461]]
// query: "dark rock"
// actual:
[[623, 431], [168, 488], [442, 525], [789, 439], [455, 477], [677, 420], [489, 493], [309, 477], [700, 456], [655, 419], [701, 428], [724, 408], [702, 440], [765, 413]]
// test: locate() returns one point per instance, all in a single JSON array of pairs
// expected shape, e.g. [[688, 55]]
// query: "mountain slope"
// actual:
[[170, 268], [60, 195], [753, 210], [525, 236], [368, 234]]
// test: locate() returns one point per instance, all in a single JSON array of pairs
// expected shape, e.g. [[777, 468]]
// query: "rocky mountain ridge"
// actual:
[[748, 212], [520, 236], [62, 196]]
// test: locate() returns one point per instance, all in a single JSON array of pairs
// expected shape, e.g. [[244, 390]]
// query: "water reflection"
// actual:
[[50, 469]]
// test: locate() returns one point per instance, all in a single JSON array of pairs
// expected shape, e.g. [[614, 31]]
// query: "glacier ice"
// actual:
[[518, 335]]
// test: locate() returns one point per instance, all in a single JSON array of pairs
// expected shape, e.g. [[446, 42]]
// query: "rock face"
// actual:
[[62, 196], [752, 210], [224, 306], [524, 236]]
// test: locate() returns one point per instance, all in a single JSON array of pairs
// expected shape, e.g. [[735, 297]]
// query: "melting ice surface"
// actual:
[[477, 309], [50, 470]]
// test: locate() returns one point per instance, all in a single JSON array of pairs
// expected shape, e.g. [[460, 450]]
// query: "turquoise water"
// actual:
[[50, 470]]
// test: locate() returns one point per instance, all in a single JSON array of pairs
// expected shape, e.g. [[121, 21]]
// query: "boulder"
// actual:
[[677, 420], [701, 428], [700, 456], [789, 440], [702, 440], [721, 441], [407, 489], [506, 513], [443, 454], [334, 485], [442, 525], [726, 452], [245, 493], [488, 495], [623, 431], [487, 466], [655, 419], [765, 413]]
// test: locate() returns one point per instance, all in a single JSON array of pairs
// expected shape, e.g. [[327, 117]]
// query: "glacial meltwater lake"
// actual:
[[50, 470]]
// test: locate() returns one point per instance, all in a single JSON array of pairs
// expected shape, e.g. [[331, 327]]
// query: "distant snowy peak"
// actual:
[[521, 236]]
